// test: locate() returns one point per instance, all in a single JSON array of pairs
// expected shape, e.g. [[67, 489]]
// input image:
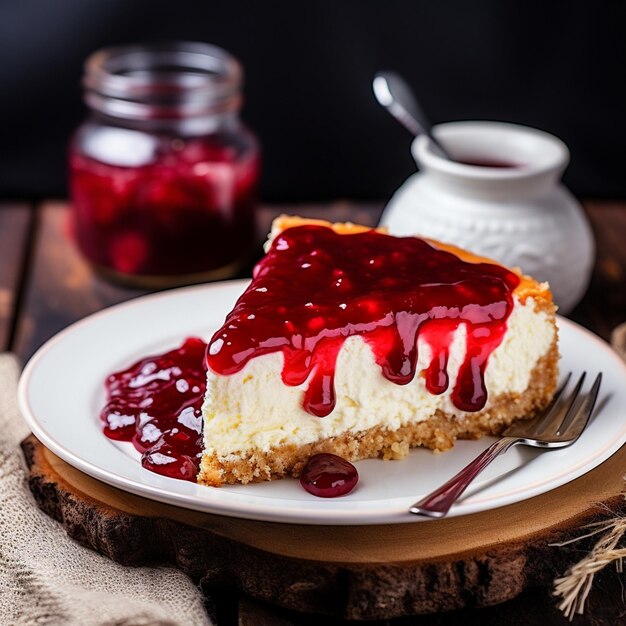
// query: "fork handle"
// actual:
[[438, 503]]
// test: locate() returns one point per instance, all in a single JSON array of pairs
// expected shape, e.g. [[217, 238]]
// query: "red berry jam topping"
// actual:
[[315, 288], [156, 403], [328, 476]]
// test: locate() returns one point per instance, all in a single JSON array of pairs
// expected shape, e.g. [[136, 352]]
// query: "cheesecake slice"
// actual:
[[357, 343]]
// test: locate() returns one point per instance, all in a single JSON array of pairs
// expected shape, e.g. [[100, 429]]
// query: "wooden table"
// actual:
[[45, 285]]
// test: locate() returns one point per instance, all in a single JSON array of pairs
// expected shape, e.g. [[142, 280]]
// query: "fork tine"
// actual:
[[578, 421], [561, 390], [542, 422], [573, 404], [549, 428]]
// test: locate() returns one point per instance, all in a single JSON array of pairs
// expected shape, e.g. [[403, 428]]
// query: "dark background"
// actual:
[[559, 66]]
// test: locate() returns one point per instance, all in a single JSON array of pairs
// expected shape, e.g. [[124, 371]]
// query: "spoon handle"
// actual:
[[392, 92]]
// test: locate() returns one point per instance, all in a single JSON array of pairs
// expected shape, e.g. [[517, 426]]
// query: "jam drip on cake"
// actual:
[[156, 403], [315, 288]]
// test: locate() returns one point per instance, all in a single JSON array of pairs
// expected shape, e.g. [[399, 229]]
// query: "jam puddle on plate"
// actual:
[[156, 404]]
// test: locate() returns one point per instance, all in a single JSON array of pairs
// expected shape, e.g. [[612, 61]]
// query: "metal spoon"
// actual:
[[396, 96]]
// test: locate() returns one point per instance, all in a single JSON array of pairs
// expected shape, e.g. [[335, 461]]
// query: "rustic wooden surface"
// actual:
[[604, 304], [49, 286], [15, 229], [61, 288]]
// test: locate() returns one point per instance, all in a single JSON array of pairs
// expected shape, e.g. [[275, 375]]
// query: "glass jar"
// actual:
[[163, 174]]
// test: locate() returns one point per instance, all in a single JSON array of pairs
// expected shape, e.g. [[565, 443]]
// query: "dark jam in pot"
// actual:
[[156, 403], [484, 162], [315, 288], [328, 476]]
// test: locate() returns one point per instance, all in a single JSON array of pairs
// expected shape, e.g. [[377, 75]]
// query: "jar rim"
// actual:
[[168, 80]]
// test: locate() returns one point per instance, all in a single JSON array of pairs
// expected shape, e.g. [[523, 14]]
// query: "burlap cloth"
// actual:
[[47, 578]]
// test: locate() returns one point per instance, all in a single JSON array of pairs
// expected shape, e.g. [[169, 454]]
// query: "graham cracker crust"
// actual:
[[438, 432]]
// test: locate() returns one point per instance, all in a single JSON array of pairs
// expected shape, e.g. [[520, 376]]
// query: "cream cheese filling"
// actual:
[[253, 409]]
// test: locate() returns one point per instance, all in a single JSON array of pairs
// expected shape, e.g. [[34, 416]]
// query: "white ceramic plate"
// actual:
[[61, 392]]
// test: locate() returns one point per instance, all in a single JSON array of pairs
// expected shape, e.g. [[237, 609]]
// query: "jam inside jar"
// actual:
[[163, 174]]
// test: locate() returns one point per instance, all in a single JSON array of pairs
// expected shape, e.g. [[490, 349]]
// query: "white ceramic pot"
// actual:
[[521, 216]]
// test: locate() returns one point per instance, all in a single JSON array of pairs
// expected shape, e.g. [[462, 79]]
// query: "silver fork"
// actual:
[[560, 425]]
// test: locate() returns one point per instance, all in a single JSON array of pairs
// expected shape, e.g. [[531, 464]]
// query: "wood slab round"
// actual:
[[365, 572]]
